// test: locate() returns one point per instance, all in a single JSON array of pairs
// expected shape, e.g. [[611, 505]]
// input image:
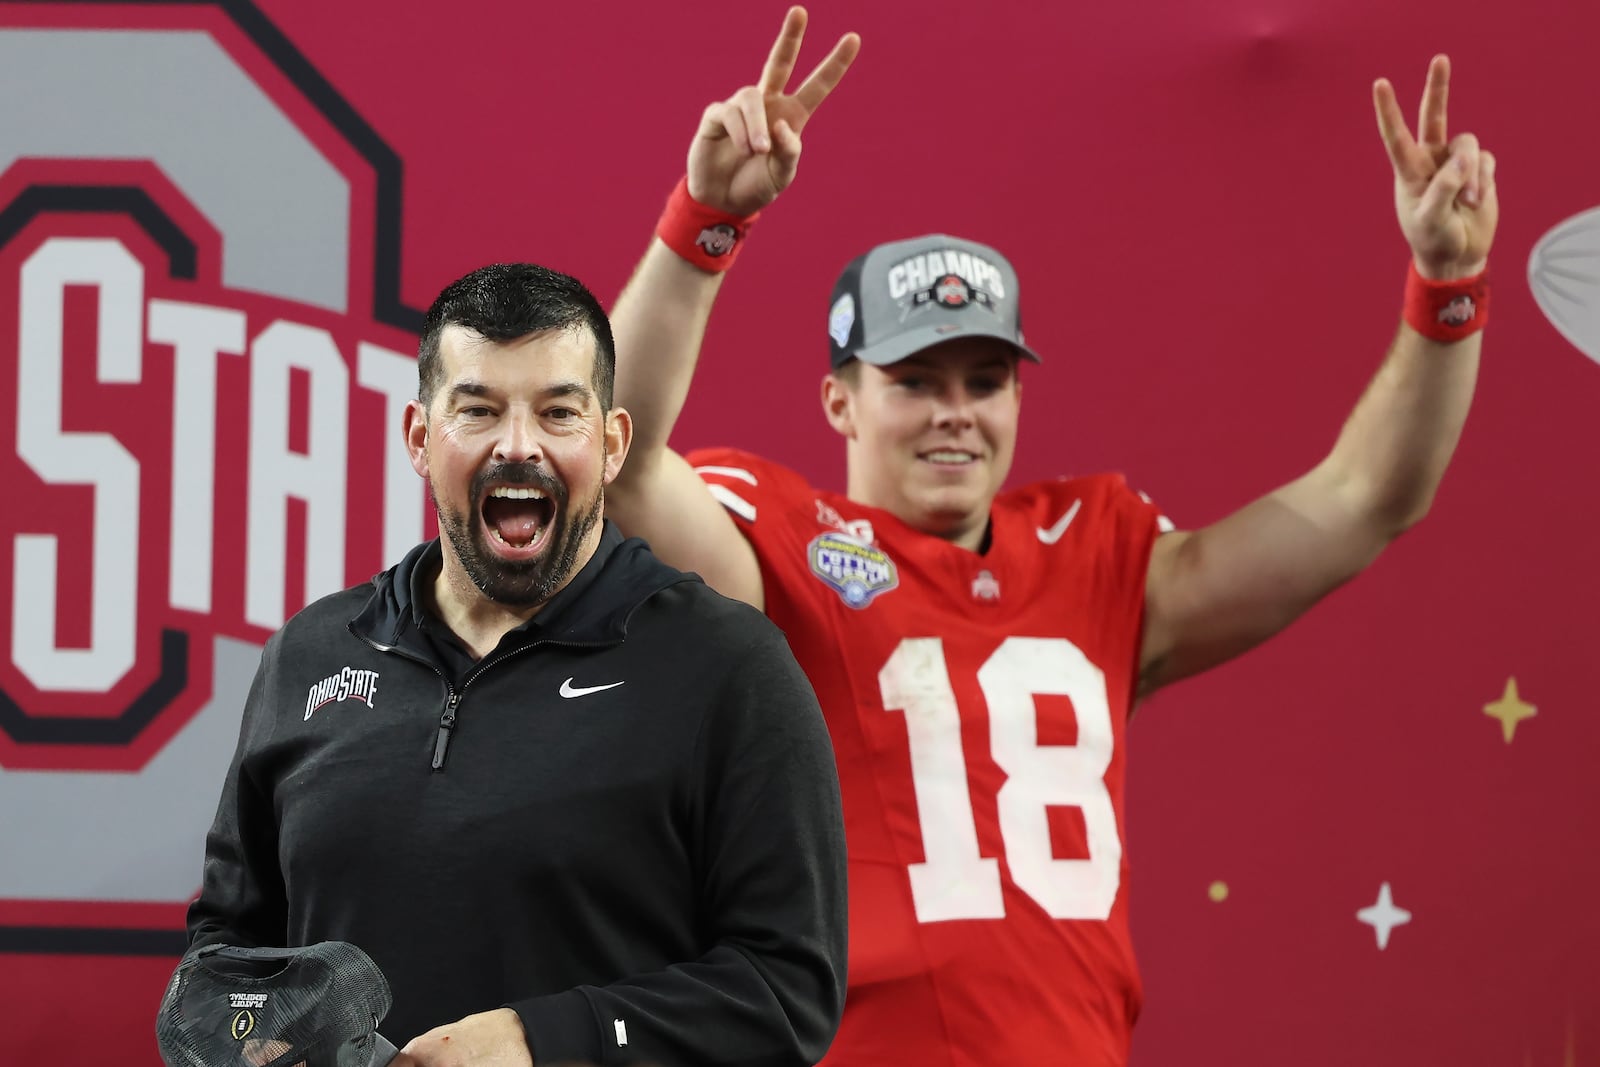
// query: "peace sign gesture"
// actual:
[[1444, 189], [747, 149]]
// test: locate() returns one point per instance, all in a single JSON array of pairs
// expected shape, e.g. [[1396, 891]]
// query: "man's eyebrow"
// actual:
[[571, 387], [469, 388]]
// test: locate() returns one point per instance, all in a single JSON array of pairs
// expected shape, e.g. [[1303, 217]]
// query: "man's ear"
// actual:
[[618, 438], [414, 426], [838, 404]]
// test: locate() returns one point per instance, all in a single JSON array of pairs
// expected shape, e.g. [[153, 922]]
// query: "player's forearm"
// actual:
[[1222, 590], [1393, 450], [659, 322]]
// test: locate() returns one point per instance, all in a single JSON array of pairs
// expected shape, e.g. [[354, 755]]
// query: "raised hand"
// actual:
[[1444, 189], [747, 149]]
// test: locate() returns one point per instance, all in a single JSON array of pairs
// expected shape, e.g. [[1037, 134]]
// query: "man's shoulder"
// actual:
[[1102, 486], [736, 463], [1106, 493], [696, 608], [693, 623], [326, 614]]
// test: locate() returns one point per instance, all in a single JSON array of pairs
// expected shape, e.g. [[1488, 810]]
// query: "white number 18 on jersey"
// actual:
[[955, 882]]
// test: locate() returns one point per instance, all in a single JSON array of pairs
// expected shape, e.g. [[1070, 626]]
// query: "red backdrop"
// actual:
[[1199, 208]]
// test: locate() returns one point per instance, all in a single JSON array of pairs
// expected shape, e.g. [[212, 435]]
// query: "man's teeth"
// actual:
[[951, 457], [509, 493], [524, 544]]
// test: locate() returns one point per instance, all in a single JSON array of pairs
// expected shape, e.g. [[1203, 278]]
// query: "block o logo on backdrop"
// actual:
[[205, 357]]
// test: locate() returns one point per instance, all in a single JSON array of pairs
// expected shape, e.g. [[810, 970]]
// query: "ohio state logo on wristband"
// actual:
[[718, 240], [708, 238], [1459, 311], [1446, 311]]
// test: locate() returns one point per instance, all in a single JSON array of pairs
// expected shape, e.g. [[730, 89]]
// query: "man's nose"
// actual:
[[519, 440], [954, 410]]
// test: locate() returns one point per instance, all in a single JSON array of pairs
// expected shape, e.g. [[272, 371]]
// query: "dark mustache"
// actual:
[[526, 475]]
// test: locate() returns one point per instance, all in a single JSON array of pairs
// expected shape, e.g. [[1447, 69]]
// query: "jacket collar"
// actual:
[[593, 608]]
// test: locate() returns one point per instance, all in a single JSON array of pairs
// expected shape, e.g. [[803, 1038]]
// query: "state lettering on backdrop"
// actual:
[[210, 364]]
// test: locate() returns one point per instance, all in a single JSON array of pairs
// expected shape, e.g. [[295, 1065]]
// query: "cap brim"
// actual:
[[899, 347]]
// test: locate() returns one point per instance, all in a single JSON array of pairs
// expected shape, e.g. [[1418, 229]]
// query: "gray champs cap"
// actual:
[[268, 1007], [905, 296]]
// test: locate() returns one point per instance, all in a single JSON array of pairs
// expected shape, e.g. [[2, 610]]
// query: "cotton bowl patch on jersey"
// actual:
[[858, 572]]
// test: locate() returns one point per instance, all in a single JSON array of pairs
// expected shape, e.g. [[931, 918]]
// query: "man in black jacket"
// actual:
[[576, 805]]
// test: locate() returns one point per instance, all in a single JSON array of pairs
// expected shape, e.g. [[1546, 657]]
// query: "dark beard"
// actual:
[[527, 584]]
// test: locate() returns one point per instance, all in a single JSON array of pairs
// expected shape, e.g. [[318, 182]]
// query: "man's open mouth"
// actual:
[[516, 516]]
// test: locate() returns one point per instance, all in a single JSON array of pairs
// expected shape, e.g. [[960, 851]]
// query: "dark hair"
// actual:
[[505, 301]]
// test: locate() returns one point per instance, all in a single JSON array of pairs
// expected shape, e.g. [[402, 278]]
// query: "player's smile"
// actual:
[[932, 435], [954, 459]]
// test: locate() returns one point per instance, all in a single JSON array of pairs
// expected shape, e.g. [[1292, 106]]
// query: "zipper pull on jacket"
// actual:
[[447, 722]]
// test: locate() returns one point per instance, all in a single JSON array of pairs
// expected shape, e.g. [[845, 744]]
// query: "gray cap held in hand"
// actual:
[[270, 1007]]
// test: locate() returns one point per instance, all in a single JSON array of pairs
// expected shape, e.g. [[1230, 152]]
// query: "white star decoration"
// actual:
[[1383, 916]]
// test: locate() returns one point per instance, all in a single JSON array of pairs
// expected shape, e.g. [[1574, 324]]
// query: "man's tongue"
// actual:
[[516, 521]]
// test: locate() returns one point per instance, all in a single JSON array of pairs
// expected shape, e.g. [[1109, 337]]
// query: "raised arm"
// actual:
[[745, 152], [1216, 592]]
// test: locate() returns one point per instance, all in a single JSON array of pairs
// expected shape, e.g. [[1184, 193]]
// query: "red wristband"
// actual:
[[706, 237], [1447, 311]]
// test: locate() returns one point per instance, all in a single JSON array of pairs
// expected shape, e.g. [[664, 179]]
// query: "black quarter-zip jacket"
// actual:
[[623, 823]]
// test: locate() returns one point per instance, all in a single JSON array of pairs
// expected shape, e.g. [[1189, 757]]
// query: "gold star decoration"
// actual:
[[1510, 709]]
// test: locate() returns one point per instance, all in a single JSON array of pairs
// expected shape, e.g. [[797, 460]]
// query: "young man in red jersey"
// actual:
[[970, 942]]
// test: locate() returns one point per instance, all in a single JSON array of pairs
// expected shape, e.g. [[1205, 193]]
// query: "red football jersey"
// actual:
[[978, 706]]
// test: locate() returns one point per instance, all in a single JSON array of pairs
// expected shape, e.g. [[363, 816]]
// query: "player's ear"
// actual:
[[838, 404], [414, 425]]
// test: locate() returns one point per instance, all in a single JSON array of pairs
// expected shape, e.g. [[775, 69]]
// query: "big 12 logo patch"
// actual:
[[204, 352]]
